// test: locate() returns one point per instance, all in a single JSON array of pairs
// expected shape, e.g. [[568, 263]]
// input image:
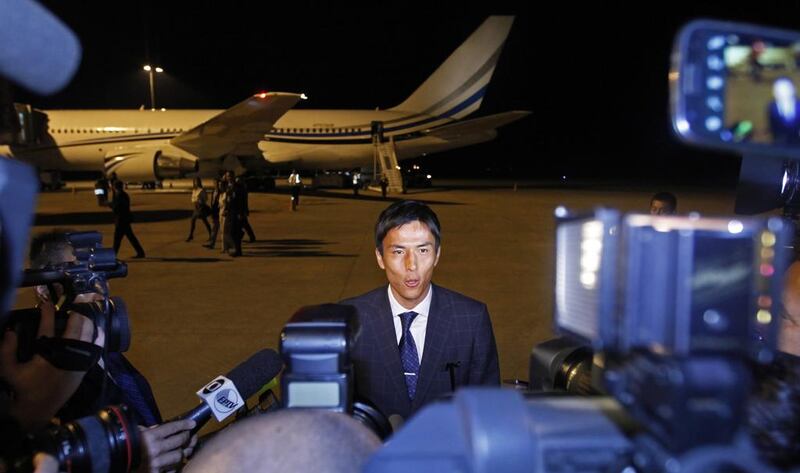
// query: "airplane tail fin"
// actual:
[[457, 87]]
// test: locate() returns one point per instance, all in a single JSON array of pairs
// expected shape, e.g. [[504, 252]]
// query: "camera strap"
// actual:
[[68, 354]]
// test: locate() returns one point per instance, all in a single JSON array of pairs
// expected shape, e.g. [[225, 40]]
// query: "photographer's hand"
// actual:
[[40, 388], [166, 445]]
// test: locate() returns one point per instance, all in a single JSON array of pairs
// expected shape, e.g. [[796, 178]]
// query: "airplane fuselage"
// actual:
[[265, 128], [330, 139]]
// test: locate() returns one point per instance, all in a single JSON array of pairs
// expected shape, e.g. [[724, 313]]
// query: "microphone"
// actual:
[[226, 394]]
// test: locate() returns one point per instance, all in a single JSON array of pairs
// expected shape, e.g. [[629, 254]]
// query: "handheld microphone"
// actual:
[[226, 394]]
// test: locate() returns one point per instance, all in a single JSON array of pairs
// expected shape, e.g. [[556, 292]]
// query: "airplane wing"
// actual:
[[238, 129], [475, 126]]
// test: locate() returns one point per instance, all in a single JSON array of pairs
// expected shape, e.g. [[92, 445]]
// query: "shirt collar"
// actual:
[[422, 309]]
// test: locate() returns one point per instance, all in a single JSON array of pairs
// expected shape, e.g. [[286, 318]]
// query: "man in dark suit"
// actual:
[[121, 206], [418, 340], [784, 113]]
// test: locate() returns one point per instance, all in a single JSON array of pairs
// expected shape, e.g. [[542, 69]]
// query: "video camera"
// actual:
[[88, 273]]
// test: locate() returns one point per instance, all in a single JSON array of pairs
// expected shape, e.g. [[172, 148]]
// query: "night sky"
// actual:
[[593, 74]]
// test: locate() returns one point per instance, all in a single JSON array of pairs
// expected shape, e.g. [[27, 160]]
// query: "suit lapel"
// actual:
[[387, 343], [436, 339]]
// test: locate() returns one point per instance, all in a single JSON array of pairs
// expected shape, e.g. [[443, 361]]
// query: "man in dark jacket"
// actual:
[[418, 340], [121, 206]]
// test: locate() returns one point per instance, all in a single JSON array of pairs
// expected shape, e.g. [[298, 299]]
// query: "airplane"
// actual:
[[152, 145]]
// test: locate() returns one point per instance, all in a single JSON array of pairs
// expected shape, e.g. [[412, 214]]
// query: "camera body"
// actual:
[[25, 323], [88, 273], [315, 345]]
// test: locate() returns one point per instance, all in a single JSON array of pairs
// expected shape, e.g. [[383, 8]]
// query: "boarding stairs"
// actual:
[[386, 160]]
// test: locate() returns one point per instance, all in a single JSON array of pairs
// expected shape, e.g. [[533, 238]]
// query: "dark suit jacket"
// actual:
[[121, 206], [91, 396], [459, 330]]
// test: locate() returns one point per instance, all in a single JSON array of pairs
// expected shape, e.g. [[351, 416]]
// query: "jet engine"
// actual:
[[148, 165]]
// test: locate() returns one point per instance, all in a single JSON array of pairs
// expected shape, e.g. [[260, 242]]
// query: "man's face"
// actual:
[[409, 256], [659, 207]]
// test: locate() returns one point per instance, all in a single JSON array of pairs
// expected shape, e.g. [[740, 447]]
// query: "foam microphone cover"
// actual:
[[255, 372], [37, 51]]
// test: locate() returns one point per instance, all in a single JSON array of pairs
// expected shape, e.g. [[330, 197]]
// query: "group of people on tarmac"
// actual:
[[228, 209]]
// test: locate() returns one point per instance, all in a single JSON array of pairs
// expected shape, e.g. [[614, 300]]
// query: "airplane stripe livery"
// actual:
[[265, 130]]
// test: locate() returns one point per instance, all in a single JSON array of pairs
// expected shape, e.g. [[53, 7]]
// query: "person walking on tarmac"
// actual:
[[201, 209], [234, 211], [297, 184], [356, 182], [245, 195], [121, 206], [384, 185], [219, 191]]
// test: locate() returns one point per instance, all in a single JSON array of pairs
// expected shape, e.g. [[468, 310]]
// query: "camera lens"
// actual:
[[107, 442]]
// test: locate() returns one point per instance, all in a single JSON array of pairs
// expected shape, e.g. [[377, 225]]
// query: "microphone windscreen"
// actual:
[[37, 50], [253, 373]]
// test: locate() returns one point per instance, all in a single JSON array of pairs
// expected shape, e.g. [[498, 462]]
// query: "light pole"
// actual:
[[150, 71]]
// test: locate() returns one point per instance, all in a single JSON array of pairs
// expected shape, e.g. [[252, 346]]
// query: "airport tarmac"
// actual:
[[196, 313]]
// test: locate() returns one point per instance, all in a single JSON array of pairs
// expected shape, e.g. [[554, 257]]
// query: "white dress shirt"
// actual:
[[420, 323]]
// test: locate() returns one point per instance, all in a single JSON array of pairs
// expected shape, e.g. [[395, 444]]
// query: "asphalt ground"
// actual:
[[197, 313]]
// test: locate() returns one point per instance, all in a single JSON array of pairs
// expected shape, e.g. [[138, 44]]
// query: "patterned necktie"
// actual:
[[408, 354]]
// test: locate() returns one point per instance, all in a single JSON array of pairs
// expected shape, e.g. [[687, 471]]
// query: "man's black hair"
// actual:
[[667, 197], [48, 246], [401, 213]]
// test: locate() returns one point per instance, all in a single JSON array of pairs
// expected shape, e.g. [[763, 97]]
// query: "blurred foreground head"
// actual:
[[289, 440], [37, 51]]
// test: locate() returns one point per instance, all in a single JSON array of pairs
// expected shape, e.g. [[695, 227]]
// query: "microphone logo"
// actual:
[[222, 396], [213, 385], [226, 400]]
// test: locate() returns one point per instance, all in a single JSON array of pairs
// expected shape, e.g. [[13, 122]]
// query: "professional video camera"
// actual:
[[92, 266], [315, 345], [107, 442]]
